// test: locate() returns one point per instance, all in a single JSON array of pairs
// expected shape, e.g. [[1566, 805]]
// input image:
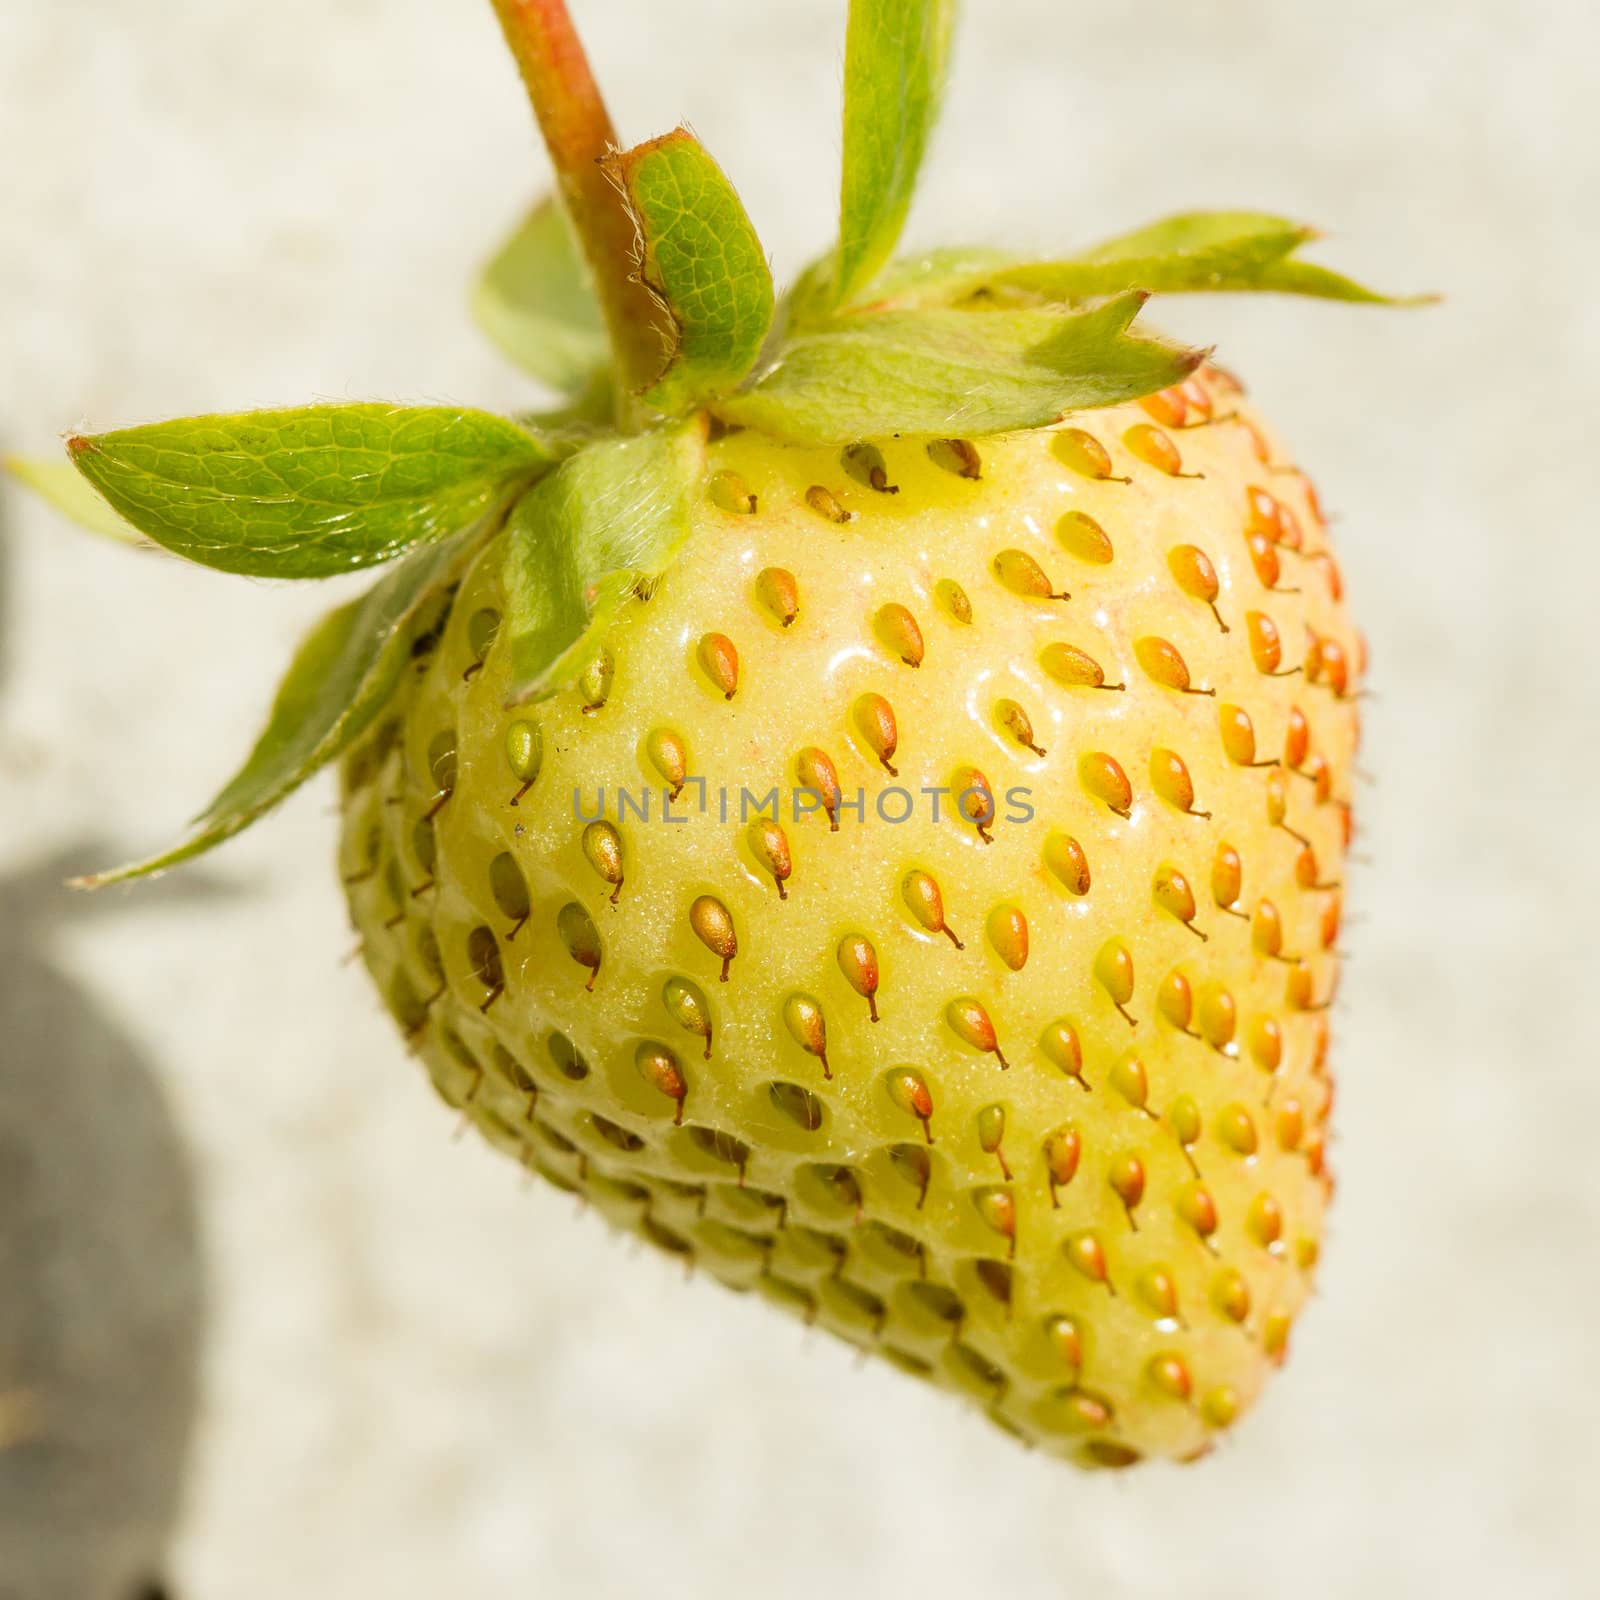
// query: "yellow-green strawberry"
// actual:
[[861, 794]]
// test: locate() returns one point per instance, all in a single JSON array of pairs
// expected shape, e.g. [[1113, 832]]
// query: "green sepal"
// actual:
[[1194, 252], [62, 486], [943, 373], [1290, 275], [313, 491], [340, 678], [606, 524], [535, 302], [703, 264], [895, 56]]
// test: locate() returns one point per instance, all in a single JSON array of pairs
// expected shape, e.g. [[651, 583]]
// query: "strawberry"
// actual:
[[861, 793], [1034, 1110]]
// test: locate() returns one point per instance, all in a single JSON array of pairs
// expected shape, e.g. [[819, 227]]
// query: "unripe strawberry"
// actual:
[[834, 1019], [861, 793]]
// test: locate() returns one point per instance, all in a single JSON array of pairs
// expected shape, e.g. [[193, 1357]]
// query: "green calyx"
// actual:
[[642, 296]]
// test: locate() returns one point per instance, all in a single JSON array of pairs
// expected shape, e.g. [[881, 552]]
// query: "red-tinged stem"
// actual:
[[578, 133]]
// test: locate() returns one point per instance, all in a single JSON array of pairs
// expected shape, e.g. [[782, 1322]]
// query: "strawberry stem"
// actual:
[[577, 132]]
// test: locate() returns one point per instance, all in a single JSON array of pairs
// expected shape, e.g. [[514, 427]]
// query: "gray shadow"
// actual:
[[101, 1276]]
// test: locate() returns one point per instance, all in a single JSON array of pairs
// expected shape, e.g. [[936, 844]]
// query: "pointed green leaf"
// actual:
[[313, 491], [895, 55], [535, 302], [1293, 276], [955, 373], [339, 679], [606, 523], [1197, 251], [703, 264], [64, 487]]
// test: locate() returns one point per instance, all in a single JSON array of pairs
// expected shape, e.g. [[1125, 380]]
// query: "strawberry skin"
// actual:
[[1073, 1169]]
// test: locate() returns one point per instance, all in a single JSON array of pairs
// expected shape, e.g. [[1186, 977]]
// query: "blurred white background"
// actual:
[[421, 1378]]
